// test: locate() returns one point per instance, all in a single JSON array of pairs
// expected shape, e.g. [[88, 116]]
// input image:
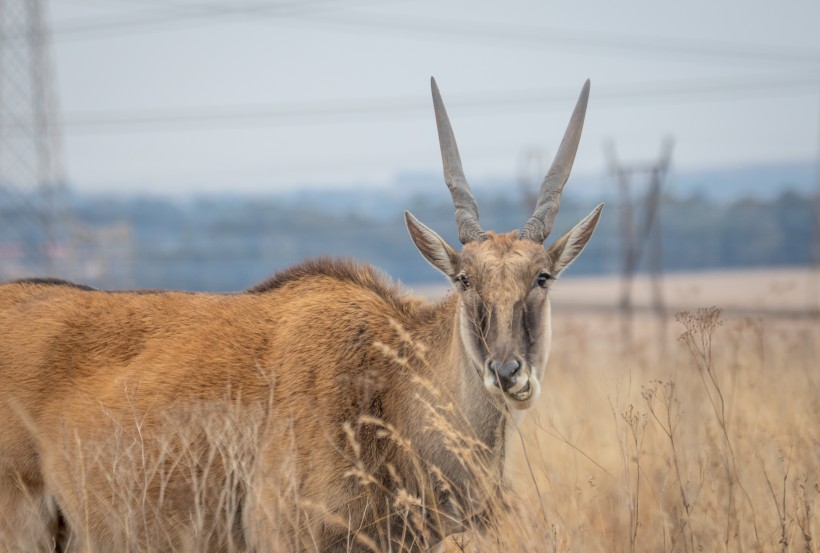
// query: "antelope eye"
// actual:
[[543, 279], [463, 280]]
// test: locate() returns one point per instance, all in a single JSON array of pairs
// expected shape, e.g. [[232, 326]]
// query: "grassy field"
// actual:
[[703, 436], [783, 291], [698, 431]]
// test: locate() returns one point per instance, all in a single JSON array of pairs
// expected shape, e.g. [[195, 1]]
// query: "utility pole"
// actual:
[[814, 277], [640, 229], [32, 182]]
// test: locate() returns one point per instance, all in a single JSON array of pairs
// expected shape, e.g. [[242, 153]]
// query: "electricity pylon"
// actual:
[[33, 237], [636, 235]]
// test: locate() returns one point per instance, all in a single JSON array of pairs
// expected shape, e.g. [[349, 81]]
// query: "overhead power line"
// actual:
[[709, 51], [173, 15], [163, 15], [362, 110]]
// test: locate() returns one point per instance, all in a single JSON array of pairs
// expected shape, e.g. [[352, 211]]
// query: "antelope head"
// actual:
[[503, 280]]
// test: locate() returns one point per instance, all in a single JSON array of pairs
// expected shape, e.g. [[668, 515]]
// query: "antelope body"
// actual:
[[323, 410]]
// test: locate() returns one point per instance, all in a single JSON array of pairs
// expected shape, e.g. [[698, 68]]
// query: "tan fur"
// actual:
[[77, 364], [309, 350], [322, 410]]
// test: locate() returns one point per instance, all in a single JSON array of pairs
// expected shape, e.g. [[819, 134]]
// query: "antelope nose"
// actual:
[[506, 372]]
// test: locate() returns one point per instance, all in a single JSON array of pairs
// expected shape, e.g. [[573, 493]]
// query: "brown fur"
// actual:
[[321, 410], [296, 415], [77, 364]]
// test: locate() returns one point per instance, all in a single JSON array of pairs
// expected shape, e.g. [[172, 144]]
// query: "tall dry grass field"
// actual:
[[700, 436], [705, 438]]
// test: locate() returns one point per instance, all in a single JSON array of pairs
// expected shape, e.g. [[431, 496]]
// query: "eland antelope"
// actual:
[[322, 410]]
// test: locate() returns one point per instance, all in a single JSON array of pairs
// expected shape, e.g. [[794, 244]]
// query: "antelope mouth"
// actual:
[[523, 394], [518, 393]]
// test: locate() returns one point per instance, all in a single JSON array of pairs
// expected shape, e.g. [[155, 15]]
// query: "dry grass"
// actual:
[[760, 290], [705, 438], [708, 442]]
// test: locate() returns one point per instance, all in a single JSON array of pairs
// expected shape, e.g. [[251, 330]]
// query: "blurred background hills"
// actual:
[[746, 217]]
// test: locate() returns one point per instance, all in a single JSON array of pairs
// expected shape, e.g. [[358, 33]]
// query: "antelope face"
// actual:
[[503, 283], [503, 280], [504, 313]]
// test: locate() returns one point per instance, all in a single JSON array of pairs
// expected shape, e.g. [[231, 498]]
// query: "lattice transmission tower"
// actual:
[[33, 233], [640, 229]]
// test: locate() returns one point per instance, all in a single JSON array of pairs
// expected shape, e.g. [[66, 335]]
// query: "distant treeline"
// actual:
[[223, 244]]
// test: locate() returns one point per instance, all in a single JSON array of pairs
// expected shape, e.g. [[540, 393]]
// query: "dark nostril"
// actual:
[[510, 368], [506, 371]]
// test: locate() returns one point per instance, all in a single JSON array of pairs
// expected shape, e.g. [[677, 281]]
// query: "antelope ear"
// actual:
[[433, 247], [567, 248]]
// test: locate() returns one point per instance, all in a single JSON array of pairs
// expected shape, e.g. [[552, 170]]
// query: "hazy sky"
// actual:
[[175, 96]]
